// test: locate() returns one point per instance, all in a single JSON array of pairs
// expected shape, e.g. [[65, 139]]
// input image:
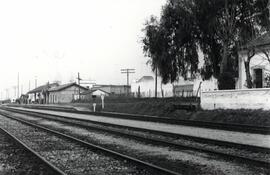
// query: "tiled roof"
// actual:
[[64, 86], [262, 40], [42, 88], [96, 86], [93, 90], [146, 78]]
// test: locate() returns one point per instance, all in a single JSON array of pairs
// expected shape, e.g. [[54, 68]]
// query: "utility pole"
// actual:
[[7, 94], [156, 83], [15, 90], [127, 71], [21, 89], [18, 85], [79, 79], [35, 81]]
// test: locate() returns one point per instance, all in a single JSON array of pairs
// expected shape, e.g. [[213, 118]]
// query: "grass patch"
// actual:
[[167, 107]]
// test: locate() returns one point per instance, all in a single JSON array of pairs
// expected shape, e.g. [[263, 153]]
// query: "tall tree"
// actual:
[[217, 27], [169, 43]]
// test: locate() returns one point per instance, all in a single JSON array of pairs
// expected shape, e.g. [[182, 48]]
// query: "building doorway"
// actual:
[[258, 81]]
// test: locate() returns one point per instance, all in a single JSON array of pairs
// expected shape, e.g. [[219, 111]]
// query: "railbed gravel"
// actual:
[[14, 159], [68, 156], [187, 162], [184, 141]]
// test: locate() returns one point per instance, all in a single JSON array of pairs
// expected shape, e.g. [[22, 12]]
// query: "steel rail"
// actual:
[[164, 142], [214, 125], [195, 138], [167, 143], [42, 159], [93, 146]]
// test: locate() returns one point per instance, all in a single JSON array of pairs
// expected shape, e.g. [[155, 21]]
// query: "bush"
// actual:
[[226, 81]]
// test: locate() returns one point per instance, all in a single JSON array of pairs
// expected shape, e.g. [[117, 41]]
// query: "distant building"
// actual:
[[193, 87], [23, 99], [7, 101], [145, 87], [40, 94], [113, 89], [65, 93]]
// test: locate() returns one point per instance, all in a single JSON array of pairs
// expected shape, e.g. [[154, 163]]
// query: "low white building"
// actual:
[[182, 88], [145, 87], [244, 98], [259, 63]]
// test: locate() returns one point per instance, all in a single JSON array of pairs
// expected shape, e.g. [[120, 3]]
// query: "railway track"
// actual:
[[67, 143], [32, 162], [157, 140], [204, 124], [174, 135]]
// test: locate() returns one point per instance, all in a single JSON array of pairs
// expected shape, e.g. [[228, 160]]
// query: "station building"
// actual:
[[55, 93], [40, 94], [65, 93]]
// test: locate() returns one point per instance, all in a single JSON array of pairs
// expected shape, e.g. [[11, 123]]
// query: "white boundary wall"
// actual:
[[236, 99]]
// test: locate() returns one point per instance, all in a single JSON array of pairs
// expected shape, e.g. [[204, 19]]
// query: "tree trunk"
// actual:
[[250, 54], [248, 76], [156, 84], [224, 62], [161, 90]]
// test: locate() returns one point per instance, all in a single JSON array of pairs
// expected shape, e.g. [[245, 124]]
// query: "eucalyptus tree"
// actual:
[[216, 27]]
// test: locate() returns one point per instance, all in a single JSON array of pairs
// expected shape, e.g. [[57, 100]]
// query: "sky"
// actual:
[[53, 40]]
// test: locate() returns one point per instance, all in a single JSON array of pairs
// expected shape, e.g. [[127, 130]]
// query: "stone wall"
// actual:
[[236, 99]]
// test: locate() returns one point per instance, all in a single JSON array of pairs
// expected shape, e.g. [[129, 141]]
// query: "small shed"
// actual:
[[117, 90], [97, 92]]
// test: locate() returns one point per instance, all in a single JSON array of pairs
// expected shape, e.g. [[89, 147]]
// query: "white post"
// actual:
[[102, 100], [94, 107]]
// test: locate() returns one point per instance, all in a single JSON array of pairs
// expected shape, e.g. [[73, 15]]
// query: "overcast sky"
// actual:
[[55, 39]]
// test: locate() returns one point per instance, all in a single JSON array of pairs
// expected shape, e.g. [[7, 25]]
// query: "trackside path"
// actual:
[[231, 136]]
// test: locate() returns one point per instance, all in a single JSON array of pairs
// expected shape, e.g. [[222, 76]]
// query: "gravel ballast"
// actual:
[[183, 141], [187, 161], [68, 156], [14, 159], [231, 136]]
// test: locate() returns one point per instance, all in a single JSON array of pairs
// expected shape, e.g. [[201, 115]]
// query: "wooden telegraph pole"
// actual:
[[18, 85], [79, 79], [127, 71]]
